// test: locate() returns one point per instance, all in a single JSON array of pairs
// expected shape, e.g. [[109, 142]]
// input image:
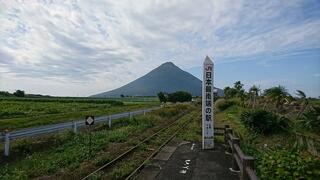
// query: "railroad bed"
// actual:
[[135, 157]]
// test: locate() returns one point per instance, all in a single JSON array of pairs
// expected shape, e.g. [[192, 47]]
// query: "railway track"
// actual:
[[142, 152]]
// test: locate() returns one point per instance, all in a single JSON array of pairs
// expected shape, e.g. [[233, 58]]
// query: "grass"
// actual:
[[70, 153], [125, 167], [258, 145], [125, 170], [231, 116], [193, 132], [22, 113]]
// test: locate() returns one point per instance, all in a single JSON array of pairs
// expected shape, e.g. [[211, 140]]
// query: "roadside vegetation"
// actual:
[[179, 96], [19, 112], [70, 155], [281, 131]]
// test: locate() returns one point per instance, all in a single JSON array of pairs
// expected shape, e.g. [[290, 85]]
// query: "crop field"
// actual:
[[68, 154], [16, 113]]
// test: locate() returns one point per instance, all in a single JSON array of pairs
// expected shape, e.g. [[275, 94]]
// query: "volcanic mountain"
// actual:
[[165, 78]]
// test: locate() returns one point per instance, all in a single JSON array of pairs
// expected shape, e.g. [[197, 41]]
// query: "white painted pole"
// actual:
[[75, 127], [7, 144], [207, 105], [110, 121]]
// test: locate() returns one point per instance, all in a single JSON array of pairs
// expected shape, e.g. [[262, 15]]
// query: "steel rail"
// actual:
[[130, 150], [154, 153]]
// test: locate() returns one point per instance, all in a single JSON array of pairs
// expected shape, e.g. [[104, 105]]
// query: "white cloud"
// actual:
[[89, 44]]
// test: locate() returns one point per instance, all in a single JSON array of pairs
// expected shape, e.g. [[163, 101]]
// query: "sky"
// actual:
[[80, 48]]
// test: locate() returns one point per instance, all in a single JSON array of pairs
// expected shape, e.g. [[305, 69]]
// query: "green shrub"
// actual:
[[117, 136], [311, 119], [263, 121], [223, 104], [287, 164], [169, 112], [173, 110], [179, 96], [162, 97]]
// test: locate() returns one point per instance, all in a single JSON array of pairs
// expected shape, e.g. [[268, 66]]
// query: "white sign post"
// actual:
[[207, 105]]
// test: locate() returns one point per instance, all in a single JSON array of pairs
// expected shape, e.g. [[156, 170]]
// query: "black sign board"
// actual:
[[89, 120]]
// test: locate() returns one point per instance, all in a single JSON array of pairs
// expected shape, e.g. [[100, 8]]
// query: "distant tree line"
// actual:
[[17, 93], [179, 96]]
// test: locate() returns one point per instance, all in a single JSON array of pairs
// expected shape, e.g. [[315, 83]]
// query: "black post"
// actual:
[[228, 149], [225, 134], [90, 141]]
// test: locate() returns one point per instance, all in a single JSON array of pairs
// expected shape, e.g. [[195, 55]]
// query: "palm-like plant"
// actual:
[[304, 102], [276, 95], [242, 95], [254, 93]]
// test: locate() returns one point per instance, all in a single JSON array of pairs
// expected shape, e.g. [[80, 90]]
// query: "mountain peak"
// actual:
[[166, 78], [169, 63]]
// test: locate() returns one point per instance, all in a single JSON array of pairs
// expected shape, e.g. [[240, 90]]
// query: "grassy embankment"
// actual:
[[16, 113], [277, 154], [67, 154]]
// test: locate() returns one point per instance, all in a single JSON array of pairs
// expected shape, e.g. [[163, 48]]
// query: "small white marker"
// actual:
[[192, 147], [183, 171]]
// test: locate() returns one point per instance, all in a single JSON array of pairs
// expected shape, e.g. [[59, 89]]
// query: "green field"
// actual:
[[66, 154], [16, 113], [277, 154]]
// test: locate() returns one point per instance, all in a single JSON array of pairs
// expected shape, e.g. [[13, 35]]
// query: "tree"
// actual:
[[162, 97], [19, 93], [238, 86], [179, 96], [225, 91], [5, 93], [276, 95], [239, 92], [122, 95], [304, 102], [242, 95], [254, 90], [230, 92]]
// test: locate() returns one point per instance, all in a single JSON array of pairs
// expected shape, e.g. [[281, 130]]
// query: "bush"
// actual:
[[311, 119], [179, 96], [287, 164], [169, 112], [223, 104], [263, 121], [162, 97], [19, 93]]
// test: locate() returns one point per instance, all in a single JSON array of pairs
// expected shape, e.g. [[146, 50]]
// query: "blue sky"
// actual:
[[79, 48], [295, 72]]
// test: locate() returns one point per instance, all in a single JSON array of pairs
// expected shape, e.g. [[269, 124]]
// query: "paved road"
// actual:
[[190, 162]]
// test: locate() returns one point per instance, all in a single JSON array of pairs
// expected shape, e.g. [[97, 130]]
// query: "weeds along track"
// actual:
[[128, 164]]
